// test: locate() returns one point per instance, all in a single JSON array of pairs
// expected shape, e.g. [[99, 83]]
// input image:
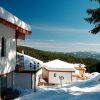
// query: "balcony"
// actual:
[[26, 64]]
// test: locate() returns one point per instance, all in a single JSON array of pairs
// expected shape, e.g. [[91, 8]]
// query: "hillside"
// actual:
[[91, 54], [91, 64], [47, 56]]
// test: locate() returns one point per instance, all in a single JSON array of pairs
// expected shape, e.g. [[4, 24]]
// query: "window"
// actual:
[[55, 75], [3, 47]]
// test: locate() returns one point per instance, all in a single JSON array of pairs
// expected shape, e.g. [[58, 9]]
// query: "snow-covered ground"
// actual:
[[81, 90]]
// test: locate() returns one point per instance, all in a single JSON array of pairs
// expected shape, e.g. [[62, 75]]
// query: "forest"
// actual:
[[92, 65]]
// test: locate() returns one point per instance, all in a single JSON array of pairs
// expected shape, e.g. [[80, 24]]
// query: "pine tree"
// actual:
[[94, 18]]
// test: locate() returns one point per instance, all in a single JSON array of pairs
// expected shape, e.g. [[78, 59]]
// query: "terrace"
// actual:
[[26, 65]]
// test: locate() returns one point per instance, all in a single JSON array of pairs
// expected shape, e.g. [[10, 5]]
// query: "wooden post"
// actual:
[[34, 77], [61, 78], [35, 82]]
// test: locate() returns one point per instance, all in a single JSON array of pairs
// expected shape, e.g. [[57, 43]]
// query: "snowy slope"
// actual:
[[91, 85], [83, 90]]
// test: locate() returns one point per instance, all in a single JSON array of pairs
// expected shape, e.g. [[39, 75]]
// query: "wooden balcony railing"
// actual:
[[22, 66]]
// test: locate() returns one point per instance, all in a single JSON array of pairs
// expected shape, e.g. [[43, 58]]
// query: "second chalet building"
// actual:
[[56, 70], [11, 29]]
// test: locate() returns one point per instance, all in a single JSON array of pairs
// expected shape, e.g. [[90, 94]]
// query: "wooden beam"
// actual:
[[20, 35], [11, 25], [59, 71]]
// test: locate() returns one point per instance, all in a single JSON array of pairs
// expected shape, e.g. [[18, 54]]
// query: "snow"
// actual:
[[4, 14], [59, 65], [29, 59], [81, 65], [76, 72], [81, 90]]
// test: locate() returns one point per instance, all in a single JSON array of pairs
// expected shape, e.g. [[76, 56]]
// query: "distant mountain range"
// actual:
[[92, 65], [90, 54]]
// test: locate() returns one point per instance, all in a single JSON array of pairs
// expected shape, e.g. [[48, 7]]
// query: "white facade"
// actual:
[[54, 77], [23, 80], [8, 63], [57, 69], [38, 74]]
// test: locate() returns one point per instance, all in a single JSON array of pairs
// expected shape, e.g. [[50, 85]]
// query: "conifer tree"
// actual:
[[94, 18]]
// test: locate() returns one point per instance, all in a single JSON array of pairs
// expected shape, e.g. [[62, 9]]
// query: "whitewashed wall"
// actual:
[[38, 74], [74, 78], [22, 80], [56, 80], [8, 63]]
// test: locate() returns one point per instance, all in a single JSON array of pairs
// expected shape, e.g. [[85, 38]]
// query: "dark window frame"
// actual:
[[3, 47], [55, 75]]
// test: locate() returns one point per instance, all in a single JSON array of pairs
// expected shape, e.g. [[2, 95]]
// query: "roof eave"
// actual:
[[17, 28]]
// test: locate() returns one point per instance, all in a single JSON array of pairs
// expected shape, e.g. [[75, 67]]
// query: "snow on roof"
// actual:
[[29, 59], [79, 65], [59, 65], [4, 14]]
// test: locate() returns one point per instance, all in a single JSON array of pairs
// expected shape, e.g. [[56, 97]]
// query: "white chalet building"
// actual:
[[56, 71], [11, 29]]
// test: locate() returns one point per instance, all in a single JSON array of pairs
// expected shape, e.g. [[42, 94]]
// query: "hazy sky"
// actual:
[[57, 25]]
